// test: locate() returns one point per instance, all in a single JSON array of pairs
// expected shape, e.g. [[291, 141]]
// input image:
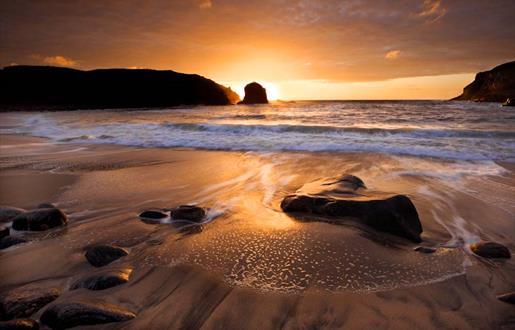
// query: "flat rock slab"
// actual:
[[25, 301], [4, 231], [490, 250], [103, 280], [40, 219], [8, 213], [102, 255], [347, 197], [507, 297], [9, 241], [71, 314], [19, 324]]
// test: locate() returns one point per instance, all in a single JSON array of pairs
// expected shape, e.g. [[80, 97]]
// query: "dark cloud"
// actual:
[[274, 39]]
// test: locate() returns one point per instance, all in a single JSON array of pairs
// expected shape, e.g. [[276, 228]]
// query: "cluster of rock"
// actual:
[[19, 304], [336, 201]]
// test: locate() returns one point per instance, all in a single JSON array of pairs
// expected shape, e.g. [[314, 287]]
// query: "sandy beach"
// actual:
[[253, 266]]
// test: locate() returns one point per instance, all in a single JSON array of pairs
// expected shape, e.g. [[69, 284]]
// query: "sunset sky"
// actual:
[[356, 49]]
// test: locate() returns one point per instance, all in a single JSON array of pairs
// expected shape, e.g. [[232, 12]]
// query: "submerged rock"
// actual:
[[8, 213], [19, 324], [347, 198], [71, 314], [188, 212], [425, 249], [26, 300], [103, 280], [254, 94], [102, 255], [9, 241], [46, 206], [507, 297], [4, 231], [40, 219], [153, 215], [490, 250]]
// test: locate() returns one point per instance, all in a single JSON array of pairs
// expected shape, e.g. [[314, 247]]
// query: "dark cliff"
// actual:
[[40, 87], [495, 85]]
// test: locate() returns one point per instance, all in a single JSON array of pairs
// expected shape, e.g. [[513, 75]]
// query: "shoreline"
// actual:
[[241, 270]]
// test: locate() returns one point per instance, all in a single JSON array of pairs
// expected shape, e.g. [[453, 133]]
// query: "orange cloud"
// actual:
[[392, 54], [205, 4], [60, 61], [432, 10]]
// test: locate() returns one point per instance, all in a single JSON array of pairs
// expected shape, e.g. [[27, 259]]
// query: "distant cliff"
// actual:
[[43, 87], [495, 85]]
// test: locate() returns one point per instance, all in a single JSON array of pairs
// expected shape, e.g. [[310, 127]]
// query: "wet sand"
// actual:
[[253, 266]]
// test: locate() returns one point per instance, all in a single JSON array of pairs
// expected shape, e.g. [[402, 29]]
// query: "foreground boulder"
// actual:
[[40, 219], [188, 212], [490, 250], [9, 241], [8, 213], [103, 280], [19, 324], [336, 200], [71, 314], [46, 206], [254, 94], [25, 301], [102, 255]]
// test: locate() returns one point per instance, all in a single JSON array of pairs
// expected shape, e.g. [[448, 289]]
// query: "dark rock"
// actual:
[[46, 206], [103, 280], [25, 301], [40, 219], [102, 255], [495, 85], [10, 241], [19, 324], [490, 250], [509, 103], [4, 231], [153, 215], [8, 213], [71, 314], [347, 198], [425, 249], [507, 297], [188, 212], [43, 87], [254, 94]]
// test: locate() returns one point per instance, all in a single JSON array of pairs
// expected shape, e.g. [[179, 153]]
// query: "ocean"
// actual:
[[439, 129]]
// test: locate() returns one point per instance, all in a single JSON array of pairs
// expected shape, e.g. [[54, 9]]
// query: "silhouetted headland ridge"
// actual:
[[496, 85], [45, 87]]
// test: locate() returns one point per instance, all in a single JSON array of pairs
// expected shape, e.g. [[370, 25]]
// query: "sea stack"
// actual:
[[254, 94]]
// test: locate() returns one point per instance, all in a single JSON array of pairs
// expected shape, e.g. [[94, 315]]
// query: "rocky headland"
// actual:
[[43, 87], [496, 85]]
